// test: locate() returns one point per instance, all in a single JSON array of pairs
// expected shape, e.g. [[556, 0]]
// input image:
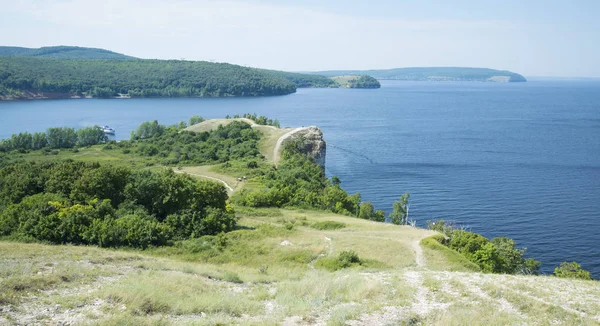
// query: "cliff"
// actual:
[[310, 141]]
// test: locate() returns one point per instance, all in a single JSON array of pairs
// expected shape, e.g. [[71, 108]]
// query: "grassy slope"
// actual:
[[256, 280], [269, 139]]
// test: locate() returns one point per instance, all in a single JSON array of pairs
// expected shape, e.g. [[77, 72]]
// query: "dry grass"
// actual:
[[256, 280]]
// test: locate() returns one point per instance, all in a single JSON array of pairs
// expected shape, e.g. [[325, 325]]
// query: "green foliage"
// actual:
[[259, 119], [195, 120], [572, 270], [61, 137], [304, 80], [91, 136], [170, 145], [86, 203], [297, 182], [328, 225], [436, 243], [63, 52], [345, 259], [441, 226], [496, 256], [363, 81], [399, 214], [148, 130], [368, 212], [138, 78], [55, 138]]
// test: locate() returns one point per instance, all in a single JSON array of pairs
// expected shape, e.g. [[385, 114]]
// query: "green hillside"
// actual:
[[354, 81], [32, 77], [143, 232], [304, 80], [63, 52], [434, 74]]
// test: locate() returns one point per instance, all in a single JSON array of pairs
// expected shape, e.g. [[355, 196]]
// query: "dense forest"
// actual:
[[135, 78], [109, 206], [63, 52], [304, 80], [69, 71]]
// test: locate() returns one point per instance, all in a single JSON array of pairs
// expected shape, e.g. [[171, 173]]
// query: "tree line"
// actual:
[[137, 78], [54, 138]]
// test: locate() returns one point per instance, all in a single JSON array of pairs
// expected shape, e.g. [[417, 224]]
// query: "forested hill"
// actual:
[[433, 74], [32, 77], [304, 80], [63, 52]]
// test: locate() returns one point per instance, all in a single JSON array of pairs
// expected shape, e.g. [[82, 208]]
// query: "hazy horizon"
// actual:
[[534, 38]]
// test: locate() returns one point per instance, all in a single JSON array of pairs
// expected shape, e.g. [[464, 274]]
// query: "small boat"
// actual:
[[108, 130]]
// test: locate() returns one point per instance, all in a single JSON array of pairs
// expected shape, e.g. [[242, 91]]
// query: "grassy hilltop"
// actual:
[[296, 253]]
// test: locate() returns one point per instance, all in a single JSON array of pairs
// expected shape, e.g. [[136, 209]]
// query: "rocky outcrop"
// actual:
[[310, 141]]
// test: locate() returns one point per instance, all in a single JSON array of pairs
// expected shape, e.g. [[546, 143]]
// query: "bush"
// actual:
[[572, 270], [345, 259], [328, 225]]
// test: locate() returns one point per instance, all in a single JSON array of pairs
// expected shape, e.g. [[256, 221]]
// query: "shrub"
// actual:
[[328, 225], [572, 270], [345, 259]]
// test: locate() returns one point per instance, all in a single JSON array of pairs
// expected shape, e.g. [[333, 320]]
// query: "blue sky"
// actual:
[[532, 37]]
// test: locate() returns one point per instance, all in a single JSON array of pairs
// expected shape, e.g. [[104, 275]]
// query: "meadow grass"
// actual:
[[267, 273], [440, 257]]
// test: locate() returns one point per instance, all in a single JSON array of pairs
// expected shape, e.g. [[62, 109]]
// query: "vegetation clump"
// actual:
[[54, 138], [109, 206], [328, 225], [572, 270], [345, 259], [498, 255]]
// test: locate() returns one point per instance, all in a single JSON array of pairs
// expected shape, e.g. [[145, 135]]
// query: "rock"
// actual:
[[285, 243], [312, 143]]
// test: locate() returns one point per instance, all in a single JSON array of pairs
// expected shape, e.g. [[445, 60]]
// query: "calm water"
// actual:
[[520, 160]]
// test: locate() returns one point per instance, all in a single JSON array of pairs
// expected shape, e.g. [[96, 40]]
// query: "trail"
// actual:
[[280, 141], [419, 258], [207, 177]]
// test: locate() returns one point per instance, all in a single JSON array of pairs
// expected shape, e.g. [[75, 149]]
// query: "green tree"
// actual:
[[572, 270], [379, 216], [39, 140], [399, 214], [195, 120], [89, 136], [366, 211], [61, 137]]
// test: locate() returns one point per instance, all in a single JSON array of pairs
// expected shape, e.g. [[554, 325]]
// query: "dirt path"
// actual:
[[419, 258], [280, 141], [229, 188]]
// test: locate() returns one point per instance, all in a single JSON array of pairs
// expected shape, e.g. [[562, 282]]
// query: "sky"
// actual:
[[531, 37]]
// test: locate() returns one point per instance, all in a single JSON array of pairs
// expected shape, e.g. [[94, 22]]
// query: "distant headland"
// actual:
[[77, 72], [433, 74]]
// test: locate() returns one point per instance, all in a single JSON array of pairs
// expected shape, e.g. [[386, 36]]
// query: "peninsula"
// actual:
[[433, 74], [77, 72], [234, 221]]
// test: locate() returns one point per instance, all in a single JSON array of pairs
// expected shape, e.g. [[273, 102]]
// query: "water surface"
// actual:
[[520, 160]]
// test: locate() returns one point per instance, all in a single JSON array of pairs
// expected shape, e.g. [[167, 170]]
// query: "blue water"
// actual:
[[520, 160]]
